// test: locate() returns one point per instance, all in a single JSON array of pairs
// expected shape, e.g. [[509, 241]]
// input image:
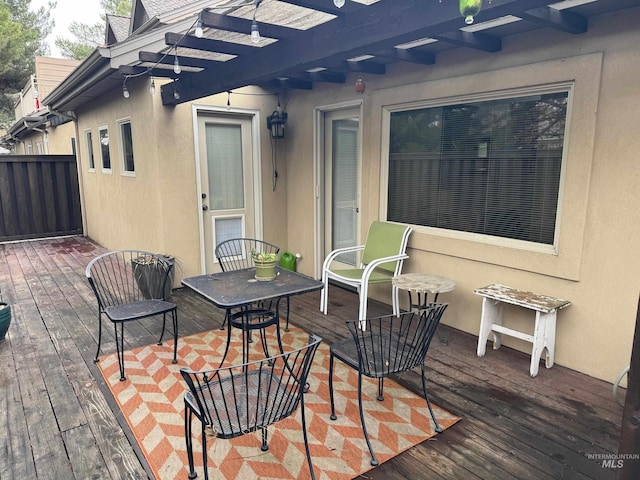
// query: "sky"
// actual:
[[67, 11]]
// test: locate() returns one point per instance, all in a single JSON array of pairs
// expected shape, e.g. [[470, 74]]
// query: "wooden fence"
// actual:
[[39, 196]]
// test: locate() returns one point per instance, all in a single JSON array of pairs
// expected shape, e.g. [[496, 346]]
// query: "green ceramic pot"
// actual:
[[265, 270], [5, 319]]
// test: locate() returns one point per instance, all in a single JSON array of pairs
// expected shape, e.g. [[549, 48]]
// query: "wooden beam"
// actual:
[[243, 25], [162, 59], [477, 40], [207, 44], [327, 6], [152, 72], [563, 20], [365, 66], [407, 55], [378, 26], [293, 83], [324, 76]]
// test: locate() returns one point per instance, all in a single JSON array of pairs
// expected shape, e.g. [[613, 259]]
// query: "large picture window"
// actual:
[[486, 167]]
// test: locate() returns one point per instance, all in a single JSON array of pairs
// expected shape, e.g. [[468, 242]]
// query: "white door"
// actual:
[[227, 178], [342, 180]]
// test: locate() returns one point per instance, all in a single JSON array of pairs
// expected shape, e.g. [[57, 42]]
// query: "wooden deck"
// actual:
[[60, 422]]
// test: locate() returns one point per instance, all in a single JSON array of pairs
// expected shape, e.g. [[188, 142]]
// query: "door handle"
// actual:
[[205, 208]]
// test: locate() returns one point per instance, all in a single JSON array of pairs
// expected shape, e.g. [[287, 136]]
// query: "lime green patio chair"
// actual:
[[382, 258]]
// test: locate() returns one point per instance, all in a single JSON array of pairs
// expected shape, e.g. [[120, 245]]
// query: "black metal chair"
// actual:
[[130, 285], [235, 254], [385, 346], [240, 399]]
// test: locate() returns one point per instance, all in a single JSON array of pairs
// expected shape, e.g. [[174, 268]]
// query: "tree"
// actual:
[[22, 35], [88, 37]]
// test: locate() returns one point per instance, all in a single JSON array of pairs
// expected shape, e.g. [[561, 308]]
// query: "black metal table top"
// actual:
[[239, 287]]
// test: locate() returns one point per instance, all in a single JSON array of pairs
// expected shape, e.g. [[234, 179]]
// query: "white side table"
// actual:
[[423, 284]]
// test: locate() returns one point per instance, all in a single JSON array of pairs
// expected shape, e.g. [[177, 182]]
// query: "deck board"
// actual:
[[61, 421]]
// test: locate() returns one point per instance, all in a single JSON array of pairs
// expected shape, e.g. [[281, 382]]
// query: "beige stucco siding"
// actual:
[[595, 261], [595, 265], [158, 208], [58, 141]]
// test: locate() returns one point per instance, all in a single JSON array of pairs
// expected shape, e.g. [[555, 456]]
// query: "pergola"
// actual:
[[303, 42]]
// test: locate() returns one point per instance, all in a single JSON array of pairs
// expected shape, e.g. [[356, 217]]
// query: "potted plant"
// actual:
[[149, 272], [5, 319], [265, 265]]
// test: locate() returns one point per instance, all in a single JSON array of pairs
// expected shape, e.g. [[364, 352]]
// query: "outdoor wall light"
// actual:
[[276, 122]]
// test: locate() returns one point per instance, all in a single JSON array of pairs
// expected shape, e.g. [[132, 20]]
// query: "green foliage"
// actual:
[[22, 35], [117, 7], [263, 256], [88, 37]]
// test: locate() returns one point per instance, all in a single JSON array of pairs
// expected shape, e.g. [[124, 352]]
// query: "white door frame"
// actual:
[[254, 116], [319, 177]]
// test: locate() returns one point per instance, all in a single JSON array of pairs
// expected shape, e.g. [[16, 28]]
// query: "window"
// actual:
[[126, 146], [103, 135], [90, 158], [488, 167]]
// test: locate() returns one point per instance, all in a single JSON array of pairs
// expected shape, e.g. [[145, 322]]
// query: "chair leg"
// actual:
[[263, 340], [188, 417], [362, 315], [306, 440], [174, 316], [265, 440], [286, 328], [96, 360], [120, 348], [164, 324], [395, 301], [204, 452], [380, 388], [374, 460], [333, 407], [324, 294], [439, 429]]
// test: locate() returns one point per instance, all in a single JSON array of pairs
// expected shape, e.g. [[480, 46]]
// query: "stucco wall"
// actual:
[[594, 266], [58, 142], [158, 209], [598, 251]]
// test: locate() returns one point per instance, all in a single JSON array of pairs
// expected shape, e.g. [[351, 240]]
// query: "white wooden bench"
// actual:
[[544, 333]]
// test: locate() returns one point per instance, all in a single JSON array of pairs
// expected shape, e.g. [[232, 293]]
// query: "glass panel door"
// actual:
[[226, 168], [342, 180]]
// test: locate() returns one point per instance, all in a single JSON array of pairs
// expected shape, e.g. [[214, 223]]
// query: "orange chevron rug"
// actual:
[[151, 400]]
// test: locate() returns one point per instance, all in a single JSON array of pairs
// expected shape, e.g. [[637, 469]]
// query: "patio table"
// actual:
[[238, 289]]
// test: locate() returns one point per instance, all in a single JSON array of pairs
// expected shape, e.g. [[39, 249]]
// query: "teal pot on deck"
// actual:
[[5, 319]]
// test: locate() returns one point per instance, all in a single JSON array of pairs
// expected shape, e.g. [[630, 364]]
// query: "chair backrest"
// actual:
[[385, 239], [392, 344], [234, 254], [243, 398], [127, 276]]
